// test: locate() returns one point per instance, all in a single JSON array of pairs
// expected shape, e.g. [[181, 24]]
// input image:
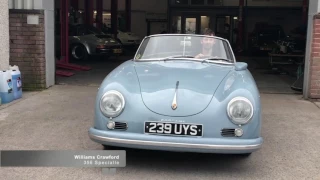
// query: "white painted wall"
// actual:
[[4, 36], [314, 7], [30, 4], [48, 6]]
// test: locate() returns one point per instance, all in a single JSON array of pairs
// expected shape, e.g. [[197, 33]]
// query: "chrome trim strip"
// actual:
[[194, 35], [184, 59], [174, 104], [177, 145]]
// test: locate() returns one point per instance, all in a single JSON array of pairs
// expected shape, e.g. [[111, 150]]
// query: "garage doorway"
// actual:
[[225, 27], [280, 72]]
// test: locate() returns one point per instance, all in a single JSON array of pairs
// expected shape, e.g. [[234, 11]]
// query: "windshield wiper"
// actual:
[[205, 60], [217, 58], [179, 56]]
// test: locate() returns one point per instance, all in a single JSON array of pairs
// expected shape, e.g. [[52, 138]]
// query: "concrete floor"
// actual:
[[58, 119], [258, 66], [93, 77]]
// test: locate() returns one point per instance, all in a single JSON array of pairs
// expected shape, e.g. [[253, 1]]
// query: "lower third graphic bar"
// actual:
[[61, 158]]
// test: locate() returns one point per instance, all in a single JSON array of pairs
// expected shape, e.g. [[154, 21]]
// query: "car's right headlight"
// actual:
[[240, 110], [112, 103]]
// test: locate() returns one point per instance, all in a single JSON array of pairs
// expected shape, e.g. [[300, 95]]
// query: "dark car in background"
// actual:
[[264, 37], [87, 40]]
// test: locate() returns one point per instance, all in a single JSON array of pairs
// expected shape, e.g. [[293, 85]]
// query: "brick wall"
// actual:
[[27, 48]]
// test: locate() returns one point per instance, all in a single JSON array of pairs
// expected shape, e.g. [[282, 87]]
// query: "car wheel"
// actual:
[[79, 52]]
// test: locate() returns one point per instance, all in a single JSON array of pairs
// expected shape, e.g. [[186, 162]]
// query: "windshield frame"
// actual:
[[228, 48], [89, 30]]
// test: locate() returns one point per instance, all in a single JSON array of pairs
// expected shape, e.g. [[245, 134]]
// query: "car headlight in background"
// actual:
[[240, 110], [112, 103]]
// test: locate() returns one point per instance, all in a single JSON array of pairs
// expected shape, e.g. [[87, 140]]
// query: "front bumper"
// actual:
[[109, 51], [181, 144]]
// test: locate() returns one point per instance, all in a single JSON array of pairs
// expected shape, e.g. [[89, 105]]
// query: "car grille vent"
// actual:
[[121, 125], [228, 132]]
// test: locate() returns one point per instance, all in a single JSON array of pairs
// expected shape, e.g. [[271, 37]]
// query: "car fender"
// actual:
[[78, 40], [240, 83]]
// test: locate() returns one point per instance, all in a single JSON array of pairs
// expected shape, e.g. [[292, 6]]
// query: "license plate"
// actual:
[[117, 51], [176, 129]]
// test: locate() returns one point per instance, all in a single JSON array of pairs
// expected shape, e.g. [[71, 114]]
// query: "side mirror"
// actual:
[[241, 66]]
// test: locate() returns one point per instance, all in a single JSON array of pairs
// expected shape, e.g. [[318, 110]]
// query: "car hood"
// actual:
[[197, 85]]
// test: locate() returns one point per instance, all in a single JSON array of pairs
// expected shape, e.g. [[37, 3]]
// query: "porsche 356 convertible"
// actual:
[[180, 92]]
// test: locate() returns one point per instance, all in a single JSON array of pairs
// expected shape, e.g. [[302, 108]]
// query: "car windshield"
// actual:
[[87, 29], [192, 47]]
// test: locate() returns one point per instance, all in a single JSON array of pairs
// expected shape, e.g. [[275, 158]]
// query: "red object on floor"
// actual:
[[64, 73], [64, 65]]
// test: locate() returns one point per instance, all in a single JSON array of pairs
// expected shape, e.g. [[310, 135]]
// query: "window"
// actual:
[[191, 24], [197, 2], [205, 23]]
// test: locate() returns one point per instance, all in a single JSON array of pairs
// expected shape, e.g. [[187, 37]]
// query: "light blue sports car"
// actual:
[[180, 92]]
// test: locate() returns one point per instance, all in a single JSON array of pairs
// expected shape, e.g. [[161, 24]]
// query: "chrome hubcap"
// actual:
[[77, 52]]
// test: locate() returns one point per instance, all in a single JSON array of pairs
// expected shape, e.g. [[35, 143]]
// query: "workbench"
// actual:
[[288, 59]]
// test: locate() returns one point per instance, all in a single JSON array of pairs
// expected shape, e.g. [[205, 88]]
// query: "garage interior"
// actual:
[[271, 38]]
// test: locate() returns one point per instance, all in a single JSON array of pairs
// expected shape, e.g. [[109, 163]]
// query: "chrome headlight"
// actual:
[[112, 103], [240, 110]]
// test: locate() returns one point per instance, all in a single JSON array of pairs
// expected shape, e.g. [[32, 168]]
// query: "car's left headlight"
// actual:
[[240, 110], [112, 103]]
